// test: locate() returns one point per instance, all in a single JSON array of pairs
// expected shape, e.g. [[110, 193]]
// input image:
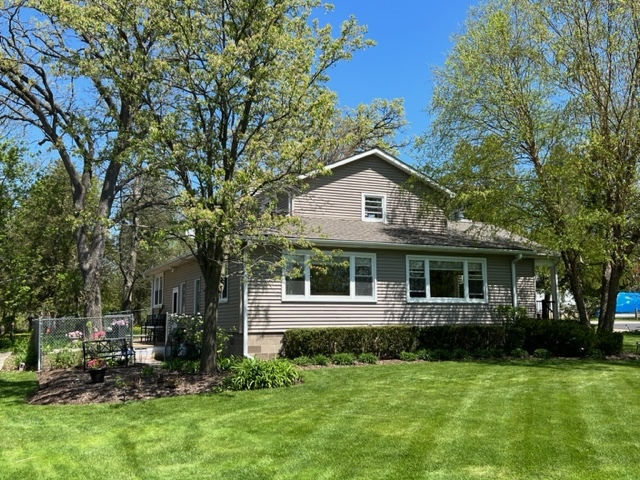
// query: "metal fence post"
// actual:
[[37, 332]]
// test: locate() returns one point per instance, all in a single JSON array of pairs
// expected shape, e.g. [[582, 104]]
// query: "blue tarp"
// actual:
[[627, 302]]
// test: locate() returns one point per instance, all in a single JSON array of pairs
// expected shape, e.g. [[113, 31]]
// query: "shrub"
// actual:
[[320, 360], [609, 343], [65, 358], [343, 359], [595, 353], [225, 363], [461, 354], [488, 353], [252, 374], [182, 365], [383, 342], [424, 354], [408, 356], [442, 354], [541, 353], [303, 361], [369, 358], [563, 338], [519, 353]]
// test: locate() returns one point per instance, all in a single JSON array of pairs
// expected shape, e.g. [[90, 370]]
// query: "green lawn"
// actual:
[[468, 420]]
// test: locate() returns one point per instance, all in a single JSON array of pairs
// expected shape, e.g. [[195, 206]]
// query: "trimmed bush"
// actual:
[[519, 353], [303, 361], [383, 342], [320, 360], [609, 343], [252, 374], [562, 338], [369, 358], [542, 353], [408, 356], [424, 354], [343, 359]]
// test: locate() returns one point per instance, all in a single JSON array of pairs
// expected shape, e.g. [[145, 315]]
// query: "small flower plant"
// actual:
[[96, 364], [121, 323], [77, 335], [99, 335]]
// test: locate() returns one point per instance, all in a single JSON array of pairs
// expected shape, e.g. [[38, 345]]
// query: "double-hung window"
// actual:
[[446, 279], [351, 277], [158, 282], [374, 207]]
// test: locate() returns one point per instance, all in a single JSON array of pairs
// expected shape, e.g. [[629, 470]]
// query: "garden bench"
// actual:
[[108, 348]]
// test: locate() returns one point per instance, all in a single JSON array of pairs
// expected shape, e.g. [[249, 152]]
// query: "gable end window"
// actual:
[[374, 207], [446, 279], [351, 277]]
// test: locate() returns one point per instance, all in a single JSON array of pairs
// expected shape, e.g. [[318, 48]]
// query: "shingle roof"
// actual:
[[463, 235]]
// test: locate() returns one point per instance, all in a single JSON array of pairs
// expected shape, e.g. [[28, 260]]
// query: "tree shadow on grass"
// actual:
[[16, 391]]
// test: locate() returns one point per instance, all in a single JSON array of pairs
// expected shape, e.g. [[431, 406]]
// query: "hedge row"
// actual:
[[561, 338]]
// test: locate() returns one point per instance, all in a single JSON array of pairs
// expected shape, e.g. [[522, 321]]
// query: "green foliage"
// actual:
[[542, 353], [252, 374], [519, 353], [369, 358], [563, 338], [467, 337], [609, 343], [383, 342], [320, 359], [302, 361], [408, 356], [424, 354], [225, 363], [533, 144], [65, 358], [343, 359], [176, 364]]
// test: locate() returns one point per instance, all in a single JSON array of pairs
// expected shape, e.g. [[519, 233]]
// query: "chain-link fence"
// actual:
[[59, 340]]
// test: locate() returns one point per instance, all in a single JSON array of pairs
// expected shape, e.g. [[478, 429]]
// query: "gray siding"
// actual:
[[340, 195], [269, 314], [187, 273], [526, 286]]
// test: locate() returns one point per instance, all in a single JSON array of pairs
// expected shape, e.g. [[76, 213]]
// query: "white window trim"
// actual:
[[197, 286], [153, 291], [465, 260], [352, 298], [175, 300], [225, 298], [384, 207]]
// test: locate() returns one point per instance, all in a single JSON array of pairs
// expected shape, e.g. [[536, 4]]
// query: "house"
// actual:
[[402, 262]]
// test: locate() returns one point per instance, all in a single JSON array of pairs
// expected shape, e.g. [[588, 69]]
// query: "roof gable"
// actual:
[[390, 159]]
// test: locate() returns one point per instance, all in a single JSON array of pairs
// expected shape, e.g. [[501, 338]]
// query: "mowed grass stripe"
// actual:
[[523, 419]]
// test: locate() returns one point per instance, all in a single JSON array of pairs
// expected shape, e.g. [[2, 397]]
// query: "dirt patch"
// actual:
[[58, 387]]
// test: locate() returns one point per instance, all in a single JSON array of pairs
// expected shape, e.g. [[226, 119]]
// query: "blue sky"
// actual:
[[412, 37]]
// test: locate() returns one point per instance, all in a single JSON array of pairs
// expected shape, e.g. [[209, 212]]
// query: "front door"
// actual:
[[175, 307]]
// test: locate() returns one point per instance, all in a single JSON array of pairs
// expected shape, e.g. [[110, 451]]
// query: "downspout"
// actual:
[[555, 297], [245, 310], [514, 281]]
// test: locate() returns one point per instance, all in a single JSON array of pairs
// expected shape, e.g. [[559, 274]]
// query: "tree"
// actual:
[[41, 234], [249, 113], [77, 75], [536, 118], [15, 180]]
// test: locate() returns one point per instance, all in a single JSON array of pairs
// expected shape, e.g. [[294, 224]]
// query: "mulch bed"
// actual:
[[73, 386]]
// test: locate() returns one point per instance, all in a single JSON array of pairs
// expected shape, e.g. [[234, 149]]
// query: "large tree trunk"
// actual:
[[211, 262], [90, 254], [611, 273], [571, 261]]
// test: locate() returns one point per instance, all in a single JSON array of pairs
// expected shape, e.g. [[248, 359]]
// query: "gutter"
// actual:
[[514, 281], [245, 311]]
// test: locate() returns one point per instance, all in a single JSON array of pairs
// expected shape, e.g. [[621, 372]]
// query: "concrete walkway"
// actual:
[[3, 357]]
